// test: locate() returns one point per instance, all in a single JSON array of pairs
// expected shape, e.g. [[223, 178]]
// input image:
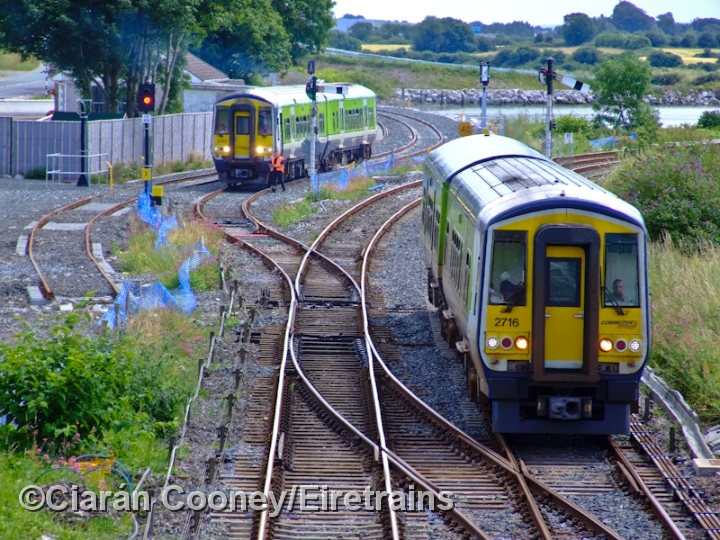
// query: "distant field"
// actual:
[[373, 48], [688, 55], [12, 62]]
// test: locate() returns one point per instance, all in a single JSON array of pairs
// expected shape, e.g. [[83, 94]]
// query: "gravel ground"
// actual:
[[399, 278]]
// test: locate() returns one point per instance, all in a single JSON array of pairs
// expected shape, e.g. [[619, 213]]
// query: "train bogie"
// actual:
[[250, 126], [541, 276]]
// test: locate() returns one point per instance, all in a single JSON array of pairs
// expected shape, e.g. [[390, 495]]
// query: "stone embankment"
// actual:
[[471, 96]]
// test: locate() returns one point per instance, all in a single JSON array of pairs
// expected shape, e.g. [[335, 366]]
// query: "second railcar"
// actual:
[[542, 280], [253, 124]]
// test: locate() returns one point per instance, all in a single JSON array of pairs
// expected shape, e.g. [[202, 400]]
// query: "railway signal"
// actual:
[[484, 79], [146, 98], [546, 76], [311, 90]]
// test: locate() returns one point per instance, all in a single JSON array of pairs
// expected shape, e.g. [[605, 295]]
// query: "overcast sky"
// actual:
[[533, 11]]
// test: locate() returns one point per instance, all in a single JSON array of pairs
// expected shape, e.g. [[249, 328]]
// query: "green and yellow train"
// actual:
[[541, 276], [253, 124]]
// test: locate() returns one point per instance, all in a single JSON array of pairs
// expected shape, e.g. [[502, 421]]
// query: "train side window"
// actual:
[[287, 129], [242, 125], [321, 124], [621, 269], [509, 263]]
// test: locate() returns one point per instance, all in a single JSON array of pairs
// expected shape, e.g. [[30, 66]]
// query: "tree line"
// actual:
[[116, 44]]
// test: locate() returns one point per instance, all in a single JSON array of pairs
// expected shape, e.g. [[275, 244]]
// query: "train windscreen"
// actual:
[[222, 120], [621, 269]]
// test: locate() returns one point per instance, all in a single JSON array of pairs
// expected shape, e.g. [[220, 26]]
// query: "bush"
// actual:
[[657, 37], [622, 41], [39, 173], [689, 40], [484, 44], [709, 120], [342, 40], [666, 79], [569, 123], [675, 191], [705, 79], [660, 59], [586, 55], [518, 57]]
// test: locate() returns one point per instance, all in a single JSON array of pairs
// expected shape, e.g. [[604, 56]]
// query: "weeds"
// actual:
[[125, 172]]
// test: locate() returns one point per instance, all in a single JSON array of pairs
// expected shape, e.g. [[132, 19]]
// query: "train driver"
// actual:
[[618, 293]]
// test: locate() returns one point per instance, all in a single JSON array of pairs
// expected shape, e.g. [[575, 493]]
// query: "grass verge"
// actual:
[[125, 172], [13, 62]]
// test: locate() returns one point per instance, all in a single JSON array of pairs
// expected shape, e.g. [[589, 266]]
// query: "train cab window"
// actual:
[[222, 114], [509, 263], [264, 121], [242, 125], [621, 270]]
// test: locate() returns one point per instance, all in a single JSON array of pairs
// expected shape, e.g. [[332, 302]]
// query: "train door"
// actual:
[[243, 123], [564, 307], [566, 289]]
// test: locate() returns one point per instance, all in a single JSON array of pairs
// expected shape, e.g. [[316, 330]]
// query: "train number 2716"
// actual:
[[507, 321]]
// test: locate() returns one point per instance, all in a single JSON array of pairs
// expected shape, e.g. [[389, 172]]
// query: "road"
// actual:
[[27, 85]]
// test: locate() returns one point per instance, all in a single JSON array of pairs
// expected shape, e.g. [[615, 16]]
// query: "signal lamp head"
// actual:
[[634, 345], [492, 342], [506, 342], [605, 345], [521, 342]]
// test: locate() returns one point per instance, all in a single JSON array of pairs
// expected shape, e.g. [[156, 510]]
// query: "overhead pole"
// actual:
[[484, 79]]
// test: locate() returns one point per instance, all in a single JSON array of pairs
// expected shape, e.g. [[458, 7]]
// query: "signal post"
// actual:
[[146, 105]]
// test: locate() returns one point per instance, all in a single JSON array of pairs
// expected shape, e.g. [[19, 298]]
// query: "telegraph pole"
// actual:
[[484, 79]]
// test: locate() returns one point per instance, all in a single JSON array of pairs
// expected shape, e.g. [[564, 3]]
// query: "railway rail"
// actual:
[[48, 293]]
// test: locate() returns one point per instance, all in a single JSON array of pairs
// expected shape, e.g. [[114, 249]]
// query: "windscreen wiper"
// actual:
[[614, 302]]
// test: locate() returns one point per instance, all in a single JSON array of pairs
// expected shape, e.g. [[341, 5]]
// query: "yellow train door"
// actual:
[[564, 307], [242, 134], [565, 313]]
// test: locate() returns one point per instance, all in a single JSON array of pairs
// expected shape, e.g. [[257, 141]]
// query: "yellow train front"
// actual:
[[542, 280], [252, 124]]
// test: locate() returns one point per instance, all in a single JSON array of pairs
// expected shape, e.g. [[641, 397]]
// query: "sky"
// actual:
[[535, 12]]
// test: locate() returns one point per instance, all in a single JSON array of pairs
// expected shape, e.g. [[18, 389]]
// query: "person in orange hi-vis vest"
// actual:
[[277, 172]]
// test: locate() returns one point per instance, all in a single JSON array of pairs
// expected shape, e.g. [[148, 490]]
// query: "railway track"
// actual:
[[79, 217]]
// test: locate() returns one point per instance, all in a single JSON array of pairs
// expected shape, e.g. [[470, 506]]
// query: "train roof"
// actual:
[[290, 94], [504, 177]]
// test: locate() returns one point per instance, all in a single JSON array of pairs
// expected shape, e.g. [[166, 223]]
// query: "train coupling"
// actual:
[[564, 408]]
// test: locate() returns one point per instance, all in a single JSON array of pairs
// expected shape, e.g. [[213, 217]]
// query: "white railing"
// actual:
[[96, 165]]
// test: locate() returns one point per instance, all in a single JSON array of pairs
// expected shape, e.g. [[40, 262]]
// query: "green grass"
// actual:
[[397, 74], [686, 322], [16, 523], [13, 62], [141, 257], [286, 213]]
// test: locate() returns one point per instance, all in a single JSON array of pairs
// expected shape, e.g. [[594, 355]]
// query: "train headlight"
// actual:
[[521, 342], [506, 342], [493, 342], [634, 345], [621, 345], [605, 345], [260, 149], [226, 148]]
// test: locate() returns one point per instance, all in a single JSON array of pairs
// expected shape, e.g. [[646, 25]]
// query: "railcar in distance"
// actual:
[[541, 277], [251, 125]]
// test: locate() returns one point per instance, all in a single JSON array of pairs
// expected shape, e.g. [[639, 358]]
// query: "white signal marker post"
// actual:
[[484, 79], [549, 112]]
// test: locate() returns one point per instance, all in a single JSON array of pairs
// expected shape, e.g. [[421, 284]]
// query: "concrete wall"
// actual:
[[24, 145]]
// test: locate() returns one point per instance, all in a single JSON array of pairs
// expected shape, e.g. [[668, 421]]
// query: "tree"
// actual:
[[361, 30], [708, 40], [341, 40], [577, 29], [586, 55], [660, 59], [666, 23], [443, 35], [630, 18], [620, 84], [242, 38], [307, 24]]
